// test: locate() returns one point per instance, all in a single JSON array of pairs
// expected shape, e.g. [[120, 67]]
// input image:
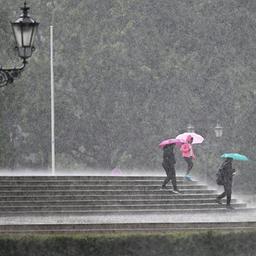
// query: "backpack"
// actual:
[[219, 179]]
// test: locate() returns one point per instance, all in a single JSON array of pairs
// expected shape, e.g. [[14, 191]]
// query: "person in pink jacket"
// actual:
[[188, 155]]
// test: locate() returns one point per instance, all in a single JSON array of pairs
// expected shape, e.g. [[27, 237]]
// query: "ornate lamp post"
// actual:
[[24, 30], [218, 130], [190, 128]]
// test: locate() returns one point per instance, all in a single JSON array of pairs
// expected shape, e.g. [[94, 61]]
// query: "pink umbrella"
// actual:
[[116, 172], [197, 139], [171, 141]]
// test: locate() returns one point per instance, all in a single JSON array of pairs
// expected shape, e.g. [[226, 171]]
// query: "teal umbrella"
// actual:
[[235, 156]]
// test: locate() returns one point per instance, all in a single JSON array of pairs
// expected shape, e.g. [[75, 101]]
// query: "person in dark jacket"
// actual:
[[169, 167], [227, 173]]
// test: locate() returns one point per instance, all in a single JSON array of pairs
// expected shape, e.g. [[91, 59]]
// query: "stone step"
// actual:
[[100, 192], [72, 212], [109, 197], [108, 202], [92, 187], [127, 227], [89, 182], [113, 207], [86, 178]]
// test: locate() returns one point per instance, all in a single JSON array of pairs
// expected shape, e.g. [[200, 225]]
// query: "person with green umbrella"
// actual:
[[227, 172]]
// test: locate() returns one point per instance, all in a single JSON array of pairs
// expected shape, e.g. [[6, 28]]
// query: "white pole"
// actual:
[[52, 104]]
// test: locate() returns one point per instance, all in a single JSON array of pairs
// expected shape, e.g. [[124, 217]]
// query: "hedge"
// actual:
[[187, 244]]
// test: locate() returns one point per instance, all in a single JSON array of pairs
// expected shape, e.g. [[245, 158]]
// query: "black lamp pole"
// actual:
[[24, 30]]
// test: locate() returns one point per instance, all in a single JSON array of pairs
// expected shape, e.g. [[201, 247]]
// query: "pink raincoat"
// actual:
[[186, 148]]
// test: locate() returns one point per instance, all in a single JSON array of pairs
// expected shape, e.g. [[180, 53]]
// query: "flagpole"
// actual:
[[52, 104]]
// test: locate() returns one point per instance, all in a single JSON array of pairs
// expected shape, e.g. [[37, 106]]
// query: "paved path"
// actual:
[[231, 216]]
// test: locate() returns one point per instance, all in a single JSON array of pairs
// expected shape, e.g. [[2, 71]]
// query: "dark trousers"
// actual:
[[190, 163], [227, 192], [171, 174]]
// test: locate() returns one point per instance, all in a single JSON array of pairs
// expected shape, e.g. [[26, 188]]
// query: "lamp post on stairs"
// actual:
[[218, 131]]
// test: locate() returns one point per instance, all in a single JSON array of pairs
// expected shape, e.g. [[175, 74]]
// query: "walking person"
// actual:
[[168, 164], [227, 172], [188, 155]]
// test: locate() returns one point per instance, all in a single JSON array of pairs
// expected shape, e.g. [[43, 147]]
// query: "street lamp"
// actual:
[[24, 30], [218, 130], [190, 128]]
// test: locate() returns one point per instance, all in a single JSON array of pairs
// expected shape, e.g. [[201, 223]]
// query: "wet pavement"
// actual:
[[227, 216]]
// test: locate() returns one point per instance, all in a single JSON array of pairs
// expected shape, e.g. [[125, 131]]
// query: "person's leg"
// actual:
[[222, 195], [189, 163], [168, 177], [228, 192], [173, 178]]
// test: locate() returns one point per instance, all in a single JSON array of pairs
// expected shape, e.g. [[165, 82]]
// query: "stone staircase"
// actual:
[[84, 195], [104, 196]]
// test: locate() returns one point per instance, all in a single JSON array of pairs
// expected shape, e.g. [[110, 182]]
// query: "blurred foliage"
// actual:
[[127, 75]]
